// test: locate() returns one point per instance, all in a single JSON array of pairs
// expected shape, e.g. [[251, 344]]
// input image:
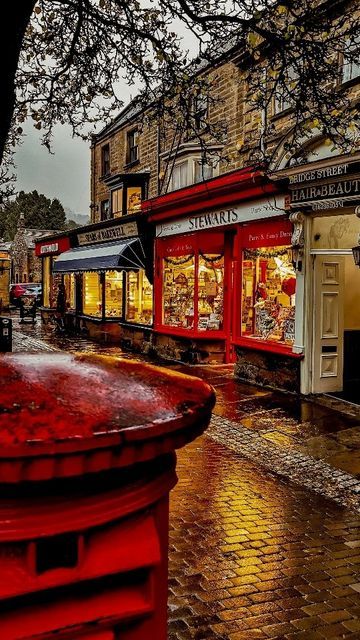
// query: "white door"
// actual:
[[328, 324]]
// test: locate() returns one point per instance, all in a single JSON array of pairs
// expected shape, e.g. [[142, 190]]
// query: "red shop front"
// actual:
[[224, 279]]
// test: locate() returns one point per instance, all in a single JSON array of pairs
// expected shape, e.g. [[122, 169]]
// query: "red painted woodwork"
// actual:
[[83, 554], [243, 184], [270, 233], [263, 345], [52, 247]]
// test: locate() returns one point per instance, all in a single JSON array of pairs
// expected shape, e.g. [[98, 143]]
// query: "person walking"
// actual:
[[61, 308]]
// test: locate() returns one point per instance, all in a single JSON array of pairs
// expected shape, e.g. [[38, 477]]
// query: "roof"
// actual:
[[31, 235]]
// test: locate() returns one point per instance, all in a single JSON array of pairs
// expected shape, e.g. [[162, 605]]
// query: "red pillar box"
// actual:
[[86, 465]]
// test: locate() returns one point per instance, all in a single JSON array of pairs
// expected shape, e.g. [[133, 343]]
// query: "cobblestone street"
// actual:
[[252, 554]]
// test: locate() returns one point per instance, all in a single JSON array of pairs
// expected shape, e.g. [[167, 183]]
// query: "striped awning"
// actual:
[[122, 255]]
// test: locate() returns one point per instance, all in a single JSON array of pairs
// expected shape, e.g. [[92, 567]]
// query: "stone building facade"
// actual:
[[25, 265]]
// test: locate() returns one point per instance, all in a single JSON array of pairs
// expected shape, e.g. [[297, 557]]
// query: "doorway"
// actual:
[[336, 327]]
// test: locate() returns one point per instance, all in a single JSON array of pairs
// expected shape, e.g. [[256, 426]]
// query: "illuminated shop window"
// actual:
[[139, 301], [113, 294], [211, 292], [268, 295], [46, 282], [133, 201], [179, 289], [69, 283], [92, 294], [117, 203]]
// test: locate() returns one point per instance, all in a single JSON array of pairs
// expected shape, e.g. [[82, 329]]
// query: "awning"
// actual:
[[127, 254]]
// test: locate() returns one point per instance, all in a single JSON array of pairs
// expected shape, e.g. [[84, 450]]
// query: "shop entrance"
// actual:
[[336, 326]]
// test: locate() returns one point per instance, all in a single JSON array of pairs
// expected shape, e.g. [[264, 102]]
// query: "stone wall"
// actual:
[[268, 369]]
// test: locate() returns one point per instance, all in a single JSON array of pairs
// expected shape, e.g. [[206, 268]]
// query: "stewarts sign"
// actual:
[[256, 210]]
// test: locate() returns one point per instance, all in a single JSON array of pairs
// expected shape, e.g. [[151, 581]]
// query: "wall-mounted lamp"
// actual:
[[356, 254]]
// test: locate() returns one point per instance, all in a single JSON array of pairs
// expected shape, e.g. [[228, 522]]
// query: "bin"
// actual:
[[5, 334], [27, 306], [87, 461]]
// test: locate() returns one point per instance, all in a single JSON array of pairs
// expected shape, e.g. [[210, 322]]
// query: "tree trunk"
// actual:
[[12, 29]]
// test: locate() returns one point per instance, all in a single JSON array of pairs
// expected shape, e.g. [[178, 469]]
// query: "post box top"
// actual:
[[68, 414]]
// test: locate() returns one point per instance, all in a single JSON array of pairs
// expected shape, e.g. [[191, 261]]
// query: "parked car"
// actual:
[[21, 288]]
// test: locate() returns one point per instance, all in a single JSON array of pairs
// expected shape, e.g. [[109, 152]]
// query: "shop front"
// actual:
[[325, 194], [48, 249], [225, 283], [108, 284]]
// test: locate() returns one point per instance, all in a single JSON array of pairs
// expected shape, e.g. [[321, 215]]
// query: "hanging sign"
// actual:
[[107, 234], [254, 210]]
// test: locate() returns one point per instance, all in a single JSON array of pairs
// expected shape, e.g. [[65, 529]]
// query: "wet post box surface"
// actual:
[[87, 461]]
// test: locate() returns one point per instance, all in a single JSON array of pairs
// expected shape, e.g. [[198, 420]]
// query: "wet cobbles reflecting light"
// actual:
[[254, 557]]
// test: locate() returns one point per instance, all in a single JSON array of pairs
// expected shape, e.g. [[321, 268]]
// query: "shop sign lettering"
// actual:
[[49, 248], [105, 235], [320, 174], [256, 210], [345, 188]]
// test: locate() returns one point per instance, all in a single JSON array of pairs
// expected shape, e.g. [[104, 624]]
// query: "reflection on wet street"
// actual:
[[254, 557]]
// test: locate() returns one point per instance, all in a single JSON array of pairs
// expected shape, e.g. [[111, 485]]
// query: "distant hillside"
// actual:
[[79, 218]]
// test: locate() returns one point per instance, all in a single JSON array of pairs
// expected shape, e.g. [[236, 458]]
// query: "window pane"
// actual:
[[179, 175], [113, 294], [116, 203], [105, 209], [92, 304], [178, 298], [211, 292], [203, 171], [46, 280], [268, 295], [69, 283], [133, 199], [138, 298], [351, 63]]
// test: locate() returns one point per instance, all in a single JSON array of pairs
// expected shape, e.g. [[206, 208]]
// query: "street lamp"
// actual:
[[356, 255]]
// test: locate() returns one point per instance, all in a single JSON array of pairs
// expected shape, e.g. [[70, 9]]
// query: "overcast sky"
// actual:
[[64, 175]]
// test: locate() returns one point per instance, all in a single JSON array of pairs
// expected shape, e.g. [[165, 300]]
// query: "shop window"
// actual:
[[211, 292], [132, 146], [105, 160], [69, 283], [105, 210], [46, 280], [117, 203], [351, 60], [179, 290], [139, 302], [113, 294], [268, 295], [133, 199], [92, 294]]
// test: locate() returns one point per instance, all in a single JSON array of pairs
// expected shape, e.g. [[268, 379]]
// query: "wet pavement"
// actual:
[[253, 555]]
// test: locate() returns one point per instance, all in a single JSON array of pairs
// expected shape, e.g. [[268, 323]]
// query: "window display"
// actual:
[[133, 199], [178, 292], [139, 302], [211, 292], [69, 283], [268, 295], [113, 294], [92, 294]]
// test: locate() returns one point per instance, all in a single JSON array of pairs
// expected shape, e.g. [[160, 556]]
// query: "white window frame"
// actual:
[[191, 161], [351, 69], [283, 102]]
